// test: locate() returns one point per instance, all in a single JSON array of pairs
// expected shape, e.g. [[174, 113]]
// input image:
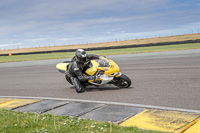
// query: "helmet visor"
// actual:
[[83, 59]]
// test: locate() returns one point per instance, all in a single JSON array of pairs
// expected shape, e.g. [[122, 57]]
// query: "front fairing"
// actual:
[[113, 69], [108, 66]]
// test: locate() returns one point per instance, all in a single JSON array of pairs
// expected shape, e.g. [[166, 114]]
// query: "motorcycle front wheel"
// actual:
[[122, 81]]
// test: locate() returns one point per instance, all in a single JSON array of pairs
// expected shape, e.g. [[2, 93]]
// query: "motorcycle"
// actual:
[[106, 70]]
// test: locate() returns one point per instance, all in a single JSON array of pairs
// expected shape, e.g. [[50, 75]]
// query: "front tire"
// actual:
[[122, 81]]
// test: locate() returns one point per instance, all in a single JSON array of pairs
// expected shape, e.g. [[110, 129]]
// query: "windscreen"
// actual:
[[103, 63]]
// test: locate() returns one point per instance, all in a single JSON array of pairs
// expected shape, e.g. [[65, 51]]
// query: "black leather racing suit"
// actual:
[[75, 72]]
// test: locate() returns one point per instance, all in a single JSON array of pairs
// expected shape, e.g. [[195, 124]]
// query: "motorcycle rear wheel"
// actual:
[[122, 81]]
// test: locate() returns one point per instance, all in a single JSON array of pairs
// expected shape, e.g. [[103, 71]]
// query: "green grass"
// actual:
[[18, 122], [16, 58]]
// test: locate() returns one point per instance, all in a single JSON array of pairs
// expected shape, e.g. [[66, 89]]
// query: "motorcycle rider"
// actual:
[[76, 67]]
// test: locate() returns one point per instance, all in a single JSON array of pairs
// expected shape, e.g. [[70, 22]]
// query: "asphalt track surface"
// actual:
[[168, 79]]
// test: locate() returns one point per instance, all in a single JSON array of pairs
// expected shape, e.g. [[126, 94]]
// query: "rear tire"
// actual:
[[122, 81]]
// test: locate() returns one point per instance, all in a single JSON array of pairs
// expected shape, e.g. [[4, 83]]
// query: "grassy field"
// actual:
[[18, 122], [99, 52]]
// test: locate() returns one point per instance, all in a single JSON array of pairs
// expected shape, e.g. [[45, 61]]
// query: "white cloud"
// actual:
[[37, 39], [10, 44], [16, 28], [70, 39]]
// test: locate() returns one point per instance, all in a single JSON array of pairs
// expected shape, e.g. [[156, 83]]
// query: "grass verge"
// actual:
[[99, 52], [18, 122]]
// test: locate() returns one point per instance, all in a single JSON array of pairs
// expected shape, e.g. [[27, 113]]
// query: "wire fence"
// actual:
[[111, 47], [97, 40]]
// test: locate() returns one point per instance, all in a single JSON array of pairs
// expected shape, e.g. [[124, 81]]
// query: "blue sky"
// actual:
[[34, 23]]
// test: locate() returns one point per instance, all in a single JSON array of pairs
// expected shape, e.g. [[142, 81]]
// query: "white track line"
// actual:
[[111, 103]]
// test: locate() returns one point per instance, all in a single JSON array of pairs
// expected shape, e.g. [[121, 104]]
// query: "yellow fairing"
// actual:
[[91, 71], [113, 68], [62, 66]]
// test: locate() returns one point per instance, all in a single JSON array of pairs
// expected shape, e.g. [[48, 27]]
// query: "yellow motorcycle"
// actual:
[[106, 70]]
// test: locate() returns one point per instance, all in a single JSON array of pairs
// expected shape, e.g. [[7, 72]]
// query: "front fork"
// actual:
[[117, 80]]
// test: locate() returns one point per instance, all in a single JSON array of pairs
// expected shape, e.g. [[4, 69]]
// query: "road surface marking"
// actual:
[[195, 128], [4, 100], [14, 103], [161, 120]]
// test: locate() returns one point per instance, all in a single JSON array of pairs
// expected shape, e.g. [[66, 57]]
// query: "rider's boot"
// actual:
[[78, 85]]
